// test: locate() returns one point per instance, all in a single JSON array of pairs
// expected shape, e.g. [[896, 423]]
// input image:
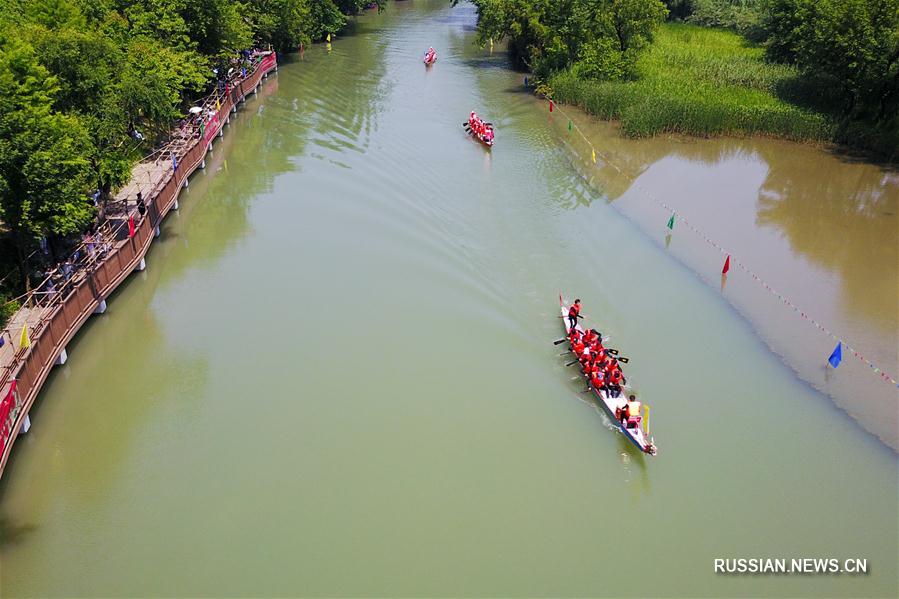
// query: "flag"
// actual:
[[218, 105], [551, 105], [328, 38], [837, 356], [726, 265], [569, 126], [174, 163], [24, 340], [525, 80], [593, 155], [671, 223], [131, 226]]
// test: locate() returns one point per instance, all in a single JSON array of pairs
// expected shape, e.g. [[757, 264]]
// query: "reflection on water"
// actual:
[[844, 217]]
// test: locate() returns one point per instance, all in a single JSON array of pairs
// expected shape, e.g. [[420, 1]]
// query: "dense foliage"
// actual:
[[843, 59], [596, 38], [89, 85]]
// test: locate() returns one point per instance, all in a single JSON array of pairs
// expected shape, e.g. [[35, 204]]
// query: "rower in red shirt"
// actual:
[[585, 355], [592, 336], [594, 367], [616, 380], [598, 380], [577, 346]]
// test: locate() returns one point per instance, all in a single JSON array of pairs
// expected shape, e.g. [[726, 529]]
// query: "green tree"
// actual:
[[218, 26], [598, 37], [850, 45], [44, 174], [285, 24], [325, 18]]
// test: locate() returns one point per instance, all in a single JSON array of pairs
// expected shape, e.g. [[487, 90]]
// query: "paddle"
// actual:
[[560, 341], [570, 363], [565, 353]]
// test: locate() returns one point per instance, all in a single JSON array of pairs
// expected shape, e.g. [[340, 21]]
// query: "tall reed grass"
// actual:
[[699, 81]]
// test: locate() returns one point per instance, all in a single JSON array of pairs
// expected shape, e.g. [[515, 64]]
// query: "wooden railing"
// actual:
[[69, 307]]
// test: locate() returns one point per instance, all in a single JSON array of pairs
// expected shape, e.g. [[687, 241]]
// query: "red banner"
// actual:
[[6, 406], [212, 128], [268, 63]]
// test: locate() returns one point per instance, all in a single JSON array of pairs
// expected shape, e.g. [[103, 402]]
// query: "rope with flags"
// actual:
[[834, 359]]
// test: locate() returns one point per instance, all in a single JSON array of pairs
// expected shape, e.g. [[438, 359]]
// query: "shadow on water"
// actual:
[[11, 533]]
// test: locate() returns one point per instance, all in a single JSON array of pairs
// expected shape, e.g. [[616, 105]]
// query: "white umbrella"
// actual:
[[195, 110]]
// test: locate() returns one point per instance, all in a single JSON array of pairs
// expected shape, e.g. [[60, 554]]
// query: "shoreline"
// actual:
[[57, 315], [791, 340]]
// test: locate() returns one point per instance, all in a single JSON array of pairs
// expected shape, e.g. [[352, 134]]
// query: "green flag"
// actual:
[[671, 223], [569, 126]]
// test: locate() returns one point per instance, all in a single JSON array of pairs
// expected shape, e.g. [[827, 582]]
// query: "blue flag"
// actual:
[[837, 356], [174, 163]]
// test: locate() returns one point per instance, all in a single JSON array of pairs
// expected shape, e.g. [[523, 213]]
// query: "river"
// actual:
[[336, 375]]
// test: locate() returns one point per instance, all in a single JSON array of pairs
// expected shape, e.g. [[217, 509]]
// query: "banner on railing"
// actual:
[[267, 63], [212, 129], [8, 415]]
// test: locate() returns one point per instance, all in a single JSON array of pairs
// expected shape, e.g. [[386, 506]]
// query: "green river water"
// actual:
[[336, 375]]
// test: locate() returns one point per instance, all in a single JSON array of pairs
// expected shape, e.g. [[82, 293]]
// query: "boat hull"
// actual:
[[608, 403]]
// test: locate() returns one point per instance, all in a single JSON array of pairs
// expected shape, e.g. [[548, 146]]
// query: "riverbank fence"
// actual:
[[35, 338]]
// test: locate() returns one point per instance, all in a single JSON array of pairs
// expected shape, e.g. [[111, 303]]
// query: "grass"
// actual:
[[699, 81]]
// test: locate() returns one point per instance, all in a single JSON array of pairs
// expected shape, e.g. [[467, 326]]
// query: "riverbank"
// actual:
[[709, 82], [815, 237], [58, 307], [210, 412]]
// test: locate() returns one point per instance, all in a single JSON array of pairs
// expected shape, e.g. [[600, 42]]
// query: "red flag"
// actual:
[[726, 266], [131, 226], [551, 105]]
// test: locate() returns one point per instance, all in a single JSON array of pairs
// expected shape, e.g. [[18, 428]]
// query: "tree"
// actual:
[[218, 26], [285, 24], [851, 45], [44, 174], [598, 37], [325, 18]]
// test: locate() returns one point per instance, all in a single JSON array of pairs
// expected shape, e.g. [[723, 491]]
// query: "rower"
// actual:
[[578, 347], [591, 336], [615, 380], [585, 355], [598, 379], [574, 312]]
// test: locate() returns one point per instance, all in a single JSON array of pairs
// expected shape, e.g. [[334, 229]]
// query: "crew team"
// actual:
[[483, 130], [601, 368]]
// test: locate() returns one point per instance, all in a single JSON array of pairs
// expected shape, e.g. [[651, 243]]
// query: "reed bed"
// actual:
[[699, 81]]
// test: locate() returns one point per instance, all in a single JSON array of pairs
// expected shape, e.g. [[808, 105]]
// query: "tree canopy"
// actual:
[[597, 38], [89, 85]]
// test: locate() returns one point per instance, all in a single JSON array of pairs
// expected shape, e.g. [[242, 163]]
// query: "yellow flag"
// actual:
[[24, 341], [329, 38], [593, 155], [218, 105]]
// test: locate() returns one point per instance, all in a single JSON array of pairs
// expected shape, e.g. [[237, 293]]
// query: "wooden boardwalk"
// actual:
[[77, 288]]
